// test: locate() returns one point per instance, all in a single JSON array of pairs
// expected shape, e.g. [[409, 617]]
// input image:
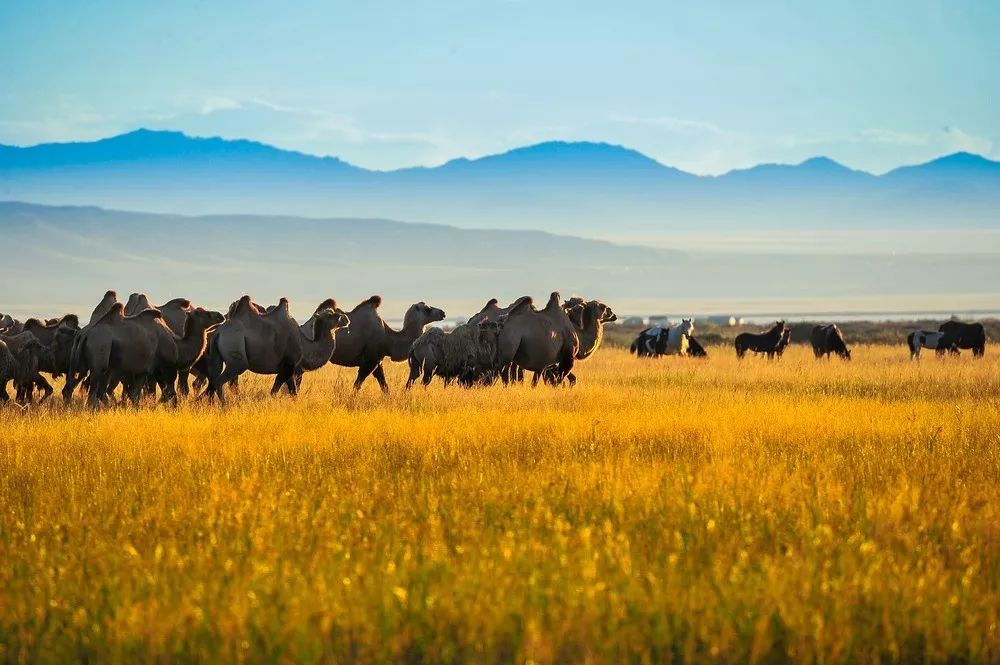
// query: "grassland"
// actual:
[[675, 510]]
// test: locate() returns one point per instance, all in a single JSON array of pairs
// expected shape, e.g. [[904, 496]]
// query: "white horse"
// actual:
[[677, 338], [924, 339]]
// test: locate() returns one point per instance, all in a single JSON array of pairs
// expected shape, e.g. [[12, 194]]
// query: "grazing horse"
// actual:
[[828, 339], [967, 336], [924, 339], [766, 342]]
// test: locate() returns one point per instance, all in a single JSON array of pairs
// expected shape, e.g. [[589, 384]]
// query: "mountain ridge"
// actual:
[[152, 142], [581, 188]]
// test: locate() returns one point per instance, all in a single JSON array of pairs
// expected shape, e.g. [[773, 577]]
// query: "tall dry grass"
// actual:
[[675, 510]]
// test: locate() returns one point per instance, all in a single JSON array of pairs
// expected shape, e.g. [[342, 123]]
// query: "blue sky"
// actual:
[[704, 86]]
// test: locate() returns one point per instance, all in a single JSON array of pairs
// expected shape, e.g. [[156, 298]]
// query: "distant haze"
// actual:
[[61, 259]]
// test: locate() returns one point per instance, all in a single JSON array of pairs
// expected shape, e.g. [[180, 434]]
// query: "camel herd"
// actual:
[[144, 348]]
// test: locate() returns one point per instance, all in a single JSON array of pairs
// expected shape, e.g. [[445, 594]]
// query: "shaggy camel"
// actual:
[[537, 339], [26, 353], [321, 340], [369, 339], [250, 341], [455, 355]]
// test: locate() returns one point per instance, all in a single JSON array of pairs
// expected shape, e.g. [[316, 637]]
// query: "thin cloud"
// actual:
[[668, 123]]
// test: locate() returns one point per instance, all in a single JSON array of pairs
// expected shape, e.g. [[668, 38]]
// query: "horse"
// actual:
[[967, 336], [779, 348], [828, 339], [651, 342], [766, 342], [939, 341], [656, 342]]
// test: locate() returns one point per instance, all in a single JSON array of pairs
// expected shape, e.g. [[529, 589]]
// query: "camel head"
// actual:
[[421, 314], [329, 319], [201, 319], [600, 312]]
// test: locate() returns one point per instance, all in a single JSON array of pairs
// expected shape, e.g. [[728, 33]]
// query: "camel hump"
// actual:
[[374, 301], [554, 301], [280, 308], [522, 304], [179, 303], [148, 313], [492, 302], [36, 323], [110, 294], [329, 303], [244, 305], [113, 315]]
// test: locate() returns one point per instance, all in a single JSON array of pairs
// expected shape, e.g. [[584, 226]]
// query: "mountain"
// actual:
[[585, 189], [62, 259]]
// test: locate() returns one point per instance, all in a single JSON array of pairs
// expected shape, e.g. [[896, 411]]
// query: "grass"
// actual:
[[674, 510]]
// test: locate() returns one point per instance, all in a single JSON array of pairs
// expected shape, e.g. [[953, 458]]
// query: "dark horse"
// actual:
[[828, 339], [766, 342], [966, 336]]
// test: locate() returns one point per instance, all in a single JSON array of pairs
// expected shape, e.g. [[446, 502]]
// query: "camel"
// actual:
[[318, 345], [369, 339], [537, 339], [175, 314], [588, 318], [261, 343], [26, 353], [178, 353], [119, 348], [79, 372], [455, 355], [56, 335]]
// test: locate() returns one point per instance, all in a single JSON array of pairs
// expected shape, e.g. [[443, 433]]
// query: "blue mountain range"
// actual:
[[588, 189]]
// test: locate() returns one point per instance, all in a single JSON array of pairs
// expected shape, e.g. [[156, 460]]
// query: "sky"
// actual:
[[706, 86]]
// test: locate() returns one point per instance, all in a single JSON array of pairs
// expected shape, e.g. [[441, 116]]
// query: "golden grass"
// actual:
[[678, 510]]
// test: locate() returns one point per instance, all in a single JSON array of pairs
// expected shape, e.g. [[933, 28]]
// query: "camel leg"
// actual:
[[98, 389], [182, 383], [286, 377], [364, 370], [230, 374], [415, 370], [379, 375]]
